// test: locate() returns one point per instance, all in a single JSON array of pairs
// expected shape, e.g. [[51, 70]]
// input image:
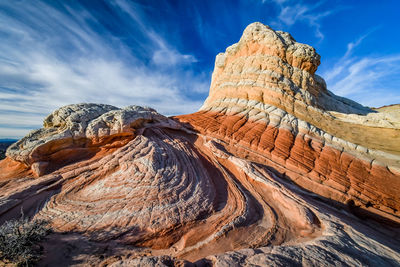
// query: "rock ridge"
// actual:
[[273, 170]]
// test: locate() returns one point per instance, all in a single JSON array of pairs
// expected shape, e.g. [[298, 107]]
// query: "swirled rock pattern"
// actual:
[[264, 95], [267, 173]]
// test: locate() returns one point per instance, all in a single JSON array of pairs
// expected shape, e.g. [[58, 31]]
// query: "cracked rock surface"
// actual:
[[273, 170]]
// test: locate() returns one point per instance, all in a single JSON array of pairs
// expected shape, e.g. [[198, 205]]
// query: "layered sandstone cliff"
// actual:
[[274, 170], [266, 96]]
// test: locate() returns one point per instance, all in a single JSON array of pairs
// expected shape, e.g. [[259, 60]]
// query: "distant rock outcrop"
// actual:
[[274, 170]]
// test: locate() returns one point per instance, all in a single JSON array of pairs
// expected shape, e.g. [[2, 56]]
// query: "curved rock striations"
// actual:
[[270, 67], [80, 131], [165, 189], [266, 97], [310, 157], [249, 180]]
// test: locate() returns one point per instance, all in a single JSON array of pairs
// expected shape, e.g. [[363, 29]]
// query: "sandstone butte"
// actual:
[[273, 170]]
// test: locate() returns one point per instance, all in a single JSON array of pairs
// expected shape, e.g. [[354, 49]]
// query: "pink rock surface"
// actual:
[[265, 174]]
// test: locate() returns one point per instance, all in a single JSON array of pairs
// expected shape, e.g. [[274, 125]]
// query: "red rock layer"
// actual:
[[60, 153], [221, 179], [170, 191], [308, 162]]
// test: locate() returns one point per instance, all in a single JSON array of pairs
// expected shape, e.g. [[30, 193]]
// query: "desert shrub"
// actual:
[[19, 240]]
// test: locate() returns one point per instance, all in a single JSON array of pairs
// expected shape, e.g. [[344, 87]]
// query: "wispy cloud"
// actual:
[[155, 53], [291, 13], [365, 79], [167, 56], [52, 56]]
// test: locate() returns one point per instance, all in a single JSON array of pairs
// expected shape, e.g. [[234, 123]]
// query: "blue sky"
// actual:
[[161, 53]]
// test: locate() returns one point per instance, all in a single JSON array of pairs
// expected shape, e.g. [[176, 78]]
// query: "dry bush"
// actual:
[[19, 240]]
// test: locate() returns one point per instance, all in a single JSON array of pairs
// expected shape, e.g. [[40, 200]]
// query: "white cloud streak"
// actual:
[[52, 59], [291, 14], [367, 79]]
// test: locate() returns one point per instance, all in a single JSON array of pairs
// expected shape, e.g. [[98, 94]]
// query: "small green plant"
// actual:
[[19, 240]]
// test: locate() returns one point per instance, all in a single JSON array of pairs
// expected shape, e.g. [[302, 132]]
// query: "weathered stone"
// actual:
[[39, 168], [79, 131], [270, 172]]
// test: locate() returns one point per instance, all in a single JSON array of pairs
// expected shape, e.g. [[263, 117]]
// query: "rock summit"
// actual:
[[273, 170]]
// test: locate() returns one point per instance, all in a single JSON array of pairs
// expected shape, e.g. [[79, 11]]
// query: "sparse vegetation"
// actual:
[[19, 241]]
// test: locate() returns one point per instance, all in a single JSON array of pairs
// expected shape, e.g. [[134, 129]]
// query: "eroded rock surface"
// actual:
[[265, 96], [77, 131], [274, 170]]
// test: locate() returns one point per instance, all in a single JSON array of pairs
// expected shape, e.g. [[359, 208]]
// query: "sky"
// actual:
[[161, 53]]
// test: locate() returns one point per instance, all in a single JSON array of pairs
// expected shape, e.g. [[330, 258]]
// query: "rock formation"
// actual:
[[265, 96], [274, 170]]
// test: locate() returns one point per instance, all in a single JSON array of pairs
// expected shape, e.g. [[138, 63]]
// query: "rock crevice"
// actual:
[[274, 170]]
